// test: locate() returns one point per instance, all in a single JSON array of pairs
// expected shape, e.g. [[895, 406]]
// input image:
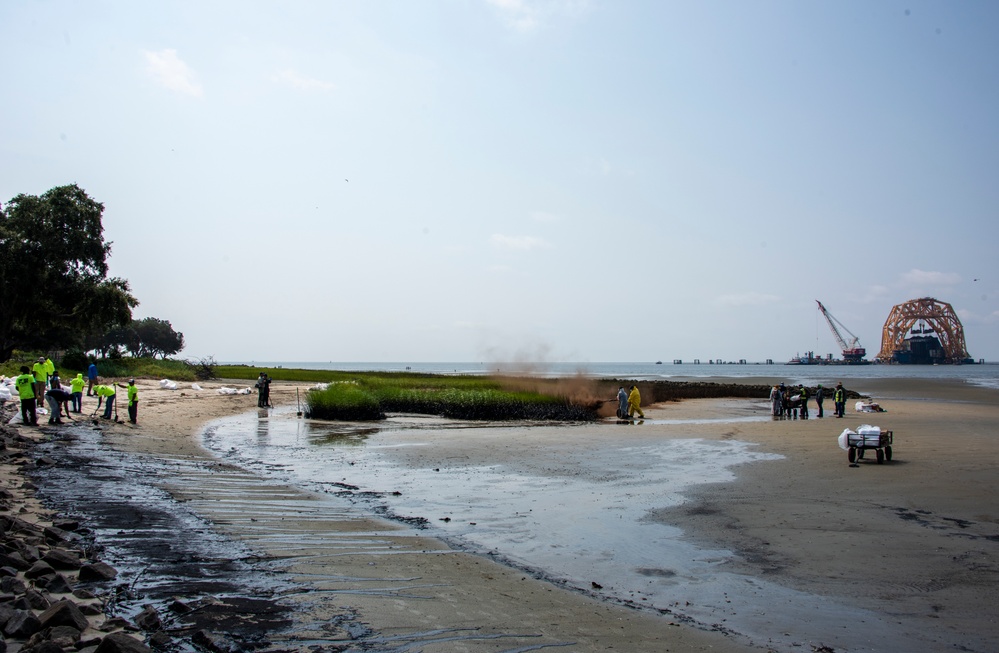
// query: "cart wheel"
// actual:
[[851, 454], [881, 456], [888, 453]]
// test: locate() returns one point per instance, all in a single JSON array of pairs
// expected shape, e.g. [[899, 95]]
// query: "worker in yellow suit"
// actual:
[[635, 403], [106, 394], [41, 377], [133, 401]]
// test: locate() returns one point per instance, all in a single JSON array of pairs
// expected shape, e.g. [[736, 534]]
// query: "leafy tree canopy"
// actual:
[[141, 338], [54, 286]]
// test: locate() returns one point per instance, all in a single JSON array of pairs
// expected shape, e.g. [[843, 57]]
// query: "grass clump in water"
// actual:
[[342, 401]]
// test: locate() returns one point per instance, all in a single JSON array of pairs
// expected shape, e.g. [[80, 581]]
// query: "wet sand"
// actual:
[[914, 540]]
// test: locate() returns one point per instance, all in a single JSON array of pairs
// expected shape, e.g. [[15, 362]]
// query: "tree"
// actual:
[[54, 286], [155, 337]]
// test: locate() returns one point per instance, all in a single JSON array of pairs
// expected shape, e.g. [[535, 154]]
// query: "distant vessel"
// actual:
[[923, 331], [811, 359]]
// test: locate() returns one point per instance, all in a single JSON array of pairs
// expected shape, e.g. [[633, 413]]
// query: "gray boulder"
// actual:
[[122, 643], [64, 613]]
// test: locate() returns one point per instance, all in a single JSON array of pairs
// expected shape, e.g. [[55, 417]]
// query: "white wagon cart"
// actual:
[[864, 438]]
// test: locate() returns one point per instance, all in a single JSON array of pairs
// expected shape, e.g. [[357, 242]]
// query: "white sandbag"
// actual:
[[233, 391], [867, 429], [5, 394], [195, 387], [844, 439], [167, 384]]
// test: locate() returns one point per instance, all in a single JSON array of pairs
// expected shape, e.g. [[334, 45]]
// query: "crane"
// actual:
[[852, 351]]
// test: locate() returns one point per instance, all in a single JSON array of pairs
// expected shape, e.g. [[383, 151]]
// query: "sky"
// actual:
[[514, 180]]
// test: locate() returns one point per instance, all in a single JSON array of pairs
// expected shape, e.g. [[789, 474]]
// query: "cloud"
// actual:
[[170, 72], [924, 278], [746, 299], [517, 242], [301, 82], [528, 15]]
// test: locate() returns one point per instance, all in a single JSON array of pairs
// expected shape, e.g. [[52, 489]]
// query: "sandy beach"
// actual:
[[913, 542]]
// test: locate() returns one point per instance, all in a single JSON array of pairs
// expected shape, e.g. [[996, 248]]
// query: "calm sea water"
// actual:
[[986, 375]]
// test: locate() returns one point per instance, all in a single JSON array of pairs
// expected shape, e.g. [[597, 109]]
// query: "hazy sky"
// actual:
[[486, 180]]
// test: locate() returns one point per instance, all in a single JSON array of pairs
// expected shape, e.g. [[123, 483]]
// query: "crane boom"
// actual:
[[852, 351]]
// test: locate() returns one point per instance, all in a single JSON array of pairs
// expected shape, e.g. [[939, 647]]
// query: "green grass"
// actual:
[[356, 395]]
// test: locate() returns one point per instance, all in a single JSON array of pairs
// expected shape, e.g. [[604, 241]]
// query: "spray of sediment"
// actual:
[[529, 369]]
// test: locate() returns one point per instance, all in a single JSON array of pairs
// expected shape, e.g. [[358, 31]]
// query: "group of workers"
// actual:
[[42, 380], [629, 403], [784, 405]]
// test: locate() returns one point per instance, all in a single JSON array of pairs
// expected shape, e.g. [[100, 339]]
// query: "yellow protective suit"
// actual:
[[635, 402]]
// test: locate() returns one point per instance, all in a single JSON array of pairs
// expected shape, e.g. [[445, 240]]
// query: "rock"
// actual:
[[214, 642], [14, 560], [6, 612], [45, 461], [91, 610], [121, 643], [39, 569], [66, 632], [58, 585], [84, 594], [48, 646], [13, 585], [148, 619], [36, 600], [22, 624], [180, 607], [62, 559], [64, 637], [114, 623], [64, 613], [98, 571], [66, 524], [160, 640], [29, 551], [58, 535]]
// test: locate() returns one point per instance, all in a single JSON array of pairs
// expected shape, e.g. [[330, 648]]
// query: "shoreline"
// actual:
[[751, 523]]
